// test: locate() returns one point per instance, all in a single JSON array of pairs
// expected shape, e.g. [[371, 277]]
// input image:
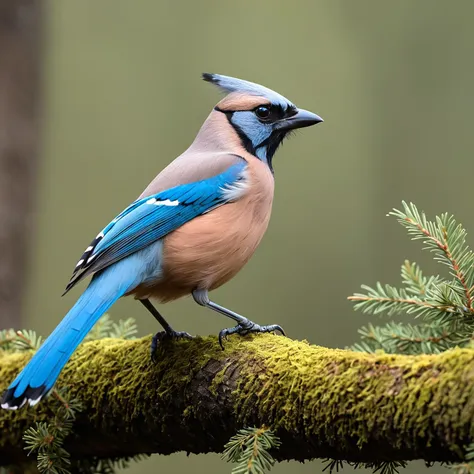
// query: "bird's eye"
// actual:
[[263, 112]]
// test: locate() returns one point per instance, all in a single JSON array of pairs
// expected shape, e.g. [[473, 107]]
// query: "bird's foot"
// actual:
[[247, 328], [162, 336]]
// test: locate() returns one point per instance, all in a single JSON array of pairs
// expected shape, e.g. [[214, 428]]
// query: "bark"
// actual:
[[19, 101], [321, 402]]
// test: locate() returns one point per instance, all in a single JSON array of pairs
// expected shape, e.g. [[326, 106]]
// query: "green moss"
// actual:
[[333, 398], [350, 396]]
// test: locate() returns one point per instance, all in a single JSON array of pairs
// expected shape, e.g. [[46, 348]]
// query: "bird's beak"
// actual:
[[303, 118]]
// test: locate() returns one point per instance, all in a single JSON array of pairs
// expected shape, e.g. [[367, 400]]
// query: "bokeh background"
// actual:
[[122, 97]]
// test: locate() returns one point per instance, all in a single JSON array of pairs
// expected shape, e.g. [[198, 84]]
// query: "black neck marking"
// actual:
[[244, 139]]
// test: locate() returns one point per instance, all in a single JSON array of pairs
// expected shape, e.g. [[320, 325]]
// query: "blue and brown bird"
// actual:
[[192, 229]]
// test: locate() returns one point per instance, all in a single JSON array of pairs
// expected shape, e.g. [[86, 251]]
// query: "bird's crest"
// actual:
[[229, 85]]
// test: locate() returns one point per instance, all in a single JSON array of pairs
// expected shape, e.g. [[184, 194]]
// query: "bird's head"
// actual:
[[261, 117]]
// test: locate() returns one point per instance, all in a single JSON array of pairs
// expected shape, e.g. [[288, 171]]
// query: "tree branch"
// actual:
[[321, 402]]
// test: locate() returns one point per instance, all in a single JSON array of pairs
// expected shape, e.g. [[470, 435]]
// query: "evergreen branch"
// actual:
[[196, 396], [383, 467], [124, 329], [405, 338], [27, 340], [101, 329], [459, 273], [249, 449], [39, 437], [418, 343], [47, 439], [333, 465], [387, 467], [468, 466], [413, 278], [386, 299], [420, 339], [105, 327], [445, 307], [7, 336], [446, 239], [391, 300], [464, 468]]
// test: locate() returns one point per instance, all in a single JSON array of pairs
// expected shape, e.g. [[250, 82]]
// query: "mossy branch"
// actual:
[[320, 402]]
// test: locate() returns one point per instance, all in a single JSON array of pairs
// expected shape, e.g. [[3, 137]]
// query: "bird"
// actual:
[[190, 231]]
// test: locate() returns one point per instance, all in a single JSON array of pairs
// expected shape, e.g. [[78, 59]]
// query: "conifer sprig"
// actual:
[[388, 467], [413, 278], [250, 450], [19, 341], [105, 327], [443, 307], [390, 300], [447, 240]]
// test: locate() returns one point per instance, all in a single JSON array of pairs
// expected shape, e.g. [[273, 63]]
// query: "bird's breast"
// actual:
[[209, 250]]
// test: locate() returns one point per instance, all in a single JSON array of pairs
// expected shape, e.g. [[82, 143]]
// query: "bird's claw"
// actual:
[[246, 328], [166, 336]]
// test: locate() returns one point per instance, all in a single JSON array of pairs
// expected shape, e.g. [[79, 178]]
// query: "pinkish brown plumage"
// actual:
[[196, 256]]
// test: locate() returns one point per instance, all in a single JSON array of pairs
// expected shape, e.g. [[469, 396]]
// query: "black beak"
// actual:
[[303, 118]]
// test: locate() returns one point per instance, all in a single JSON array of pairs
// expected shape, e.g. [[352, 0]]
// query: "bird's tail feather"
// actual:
[[40, 374]]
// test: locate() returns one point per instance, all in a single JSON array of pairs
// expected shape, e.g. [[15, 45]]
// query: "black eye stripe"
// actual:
[[269, 113], [277, 112]]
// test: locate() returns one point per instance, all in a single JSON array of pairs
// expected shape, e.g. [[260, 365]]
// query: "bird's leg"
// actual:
[[244, 326], [168, 333]]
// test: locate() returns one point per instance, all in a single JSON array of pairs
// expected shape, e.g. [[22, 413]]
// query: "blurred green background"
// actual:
[[123, 97]]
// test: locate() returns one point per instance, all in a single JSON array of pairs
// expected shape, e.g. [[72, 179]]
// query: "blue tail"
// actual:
[[40, 374]]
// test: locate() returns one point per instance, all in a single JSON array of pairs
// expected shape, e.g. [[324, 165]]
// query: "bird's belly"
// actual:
[[209, 250]]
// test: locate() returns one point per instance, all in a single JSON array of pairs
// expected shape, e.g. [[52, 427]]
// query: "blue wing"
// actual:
[[151, 218]]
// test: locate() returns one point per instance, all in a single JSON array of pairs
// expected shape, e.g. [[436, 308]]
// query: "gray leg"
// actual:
[[168, 333], [244, 325]]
